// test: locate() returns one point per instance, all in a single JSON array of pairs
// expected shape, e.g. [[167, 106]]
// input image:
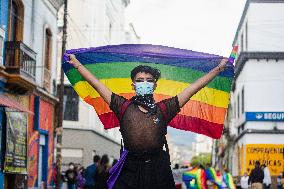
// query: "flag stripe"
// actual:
[[182, 122], [123, 69], [170, 88], [149, 54], [197, 125], [192, 108]]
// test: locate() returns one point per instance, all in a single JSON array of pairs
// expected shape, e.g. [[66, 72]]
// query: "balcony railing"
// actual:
[[20, 59]]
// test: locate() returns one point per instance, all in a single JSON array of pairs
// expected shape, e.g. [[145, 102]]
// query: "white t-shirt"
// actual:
[[244, 182], [267, 177]]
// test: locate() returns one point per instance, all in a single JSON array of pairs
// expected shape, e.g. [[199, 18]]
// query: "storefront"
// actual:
[[271, 155], [14, 124]]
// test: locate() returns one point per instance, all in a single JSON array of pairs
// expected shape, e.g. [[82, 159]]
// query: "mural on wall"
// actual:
[[33, 140], [46, 124]]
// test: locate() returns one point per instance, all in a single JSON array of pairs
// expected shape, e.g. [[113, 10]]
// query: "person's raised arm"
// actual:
[[187, 93], [104, 92]]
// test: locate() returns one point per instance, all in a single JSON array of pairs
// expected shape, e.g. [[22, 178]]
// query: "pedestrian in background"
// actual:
[[256, 177], [177, 174], [102, 173], [80, 180], [71, 175], [267, 177], [89, 173], [244, 181], [280, 181]]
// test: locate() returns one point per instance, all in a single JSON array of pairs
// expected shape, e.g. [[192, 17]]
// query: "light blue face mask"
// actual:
[[143, 88]]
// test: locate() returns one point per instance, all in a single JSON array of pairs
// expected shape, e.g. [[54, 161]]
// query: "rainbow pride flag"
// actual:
[[233, 54], [204, 113], [195, 178], [229, 181], [212, 176]]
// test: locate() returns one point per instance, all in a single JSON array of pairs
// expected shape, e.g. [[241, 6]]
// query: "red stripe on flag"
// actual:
[[182, 122], [197, 125]]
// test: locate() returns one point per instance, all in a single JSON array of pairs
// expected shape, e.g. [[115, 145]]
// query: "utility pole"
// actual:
[[59, 129]]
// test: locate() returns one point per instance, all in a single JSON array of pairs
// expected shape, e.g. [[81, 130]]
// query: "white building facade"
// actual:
[[91, 23], [257, 100], [203, 144]]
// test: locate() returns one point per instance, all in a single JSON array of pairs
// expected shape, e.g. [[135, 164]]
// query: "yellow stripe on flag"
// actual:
[[206, 95]]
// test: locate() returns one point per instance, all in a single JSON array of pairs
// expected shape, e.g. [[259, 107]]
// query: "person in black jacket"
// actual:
[[71, 175], [102, 173], [256, 177]]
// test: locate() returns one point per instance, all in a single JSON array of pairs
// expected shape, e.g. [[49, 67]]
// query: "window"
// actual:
[[47, 58], [2, 35], [47, 49], [239, 130], [13, 20], [16, 20], [242, 42], [243, 127], [235, 110], [243, 101], [246, 36], [238, 106], [70, 104]]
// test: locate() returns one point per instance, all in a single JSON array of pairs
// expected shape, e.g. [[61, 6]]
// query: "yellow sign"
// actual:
[[270, 154]]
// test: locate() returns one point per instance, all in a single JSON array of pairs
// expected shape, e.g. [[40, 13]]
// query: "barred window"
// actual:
[[70, 104]]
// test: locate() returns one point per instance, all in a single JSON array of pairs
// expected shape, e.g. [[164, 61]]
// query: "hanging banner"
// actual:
[[16, 142], [270, 154]]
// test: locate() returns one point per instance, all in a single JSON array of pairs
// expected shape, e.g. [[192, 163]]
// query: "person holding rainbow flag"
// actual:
[[143, 163]]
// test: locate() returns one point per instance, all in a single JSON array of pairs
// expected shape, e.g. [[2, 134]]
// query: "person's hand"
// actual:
[[222, 64], [73, 60]]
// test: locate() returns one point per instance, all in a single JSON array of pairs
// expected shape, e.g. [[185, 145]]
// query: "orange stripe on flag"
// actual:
[[192, 108]]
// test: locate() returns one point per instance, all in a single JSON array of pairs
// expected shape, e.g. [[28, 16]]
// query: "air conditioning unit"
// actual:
[[2, 36]]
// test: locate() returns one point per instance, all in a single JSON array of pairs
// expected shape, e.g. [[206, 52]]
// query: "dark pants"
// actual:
[[89, 187], [146, 171], [71, 186]]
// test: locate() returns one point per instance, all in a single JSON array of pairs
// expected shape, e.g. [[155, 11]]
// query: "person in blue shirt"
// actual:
[[89, 173]]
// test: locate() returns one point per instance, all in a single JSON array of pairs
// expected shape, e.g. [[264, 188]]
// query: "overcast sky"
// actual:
[[200, 25]]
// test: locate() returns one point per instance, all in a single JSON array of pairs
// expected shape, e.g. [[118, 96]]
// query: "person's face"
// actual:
[[71, 166], [142, 77], [245, 174]]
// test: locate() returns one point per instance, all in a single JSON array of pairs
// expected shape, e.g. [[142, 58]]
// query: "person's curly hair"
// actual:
[[156, 73]]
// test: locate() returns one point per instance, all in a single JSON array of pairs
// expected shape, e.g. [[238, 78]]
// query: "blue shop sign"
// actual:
[[264, 116]]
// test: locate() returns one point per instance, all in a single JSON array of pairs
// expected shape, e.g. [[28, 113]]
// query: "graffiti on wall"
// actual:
[[46, 124]]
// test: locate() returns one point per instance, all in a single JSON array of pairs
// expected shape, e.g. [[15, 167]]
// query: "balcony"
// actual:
[[20, 64]]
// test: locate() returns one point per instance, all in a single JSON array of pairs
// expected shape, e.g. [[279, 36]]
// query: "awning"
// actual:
[[11, 103]]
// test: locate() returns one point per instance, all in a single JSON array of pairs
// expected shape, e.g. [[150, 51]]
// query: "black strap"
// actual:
[[121, 147]]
